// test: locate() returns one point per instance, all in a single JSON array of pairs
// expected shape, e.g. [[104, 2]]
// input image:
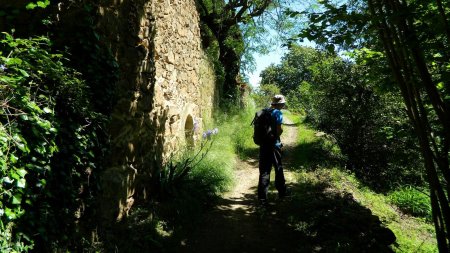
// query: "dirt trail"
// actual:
[[238, 224]]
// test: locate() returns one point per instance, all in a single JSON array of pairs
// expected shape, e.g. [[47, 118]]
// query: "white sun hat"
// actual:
[[278, 99]]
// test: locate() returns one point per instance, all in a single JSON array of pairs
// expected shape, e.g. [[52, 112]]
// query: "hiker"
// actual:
[[270, 154]]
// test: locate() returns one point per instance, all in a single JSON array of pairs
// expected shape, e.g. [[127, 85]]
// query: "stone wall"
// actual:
[[166, 87]]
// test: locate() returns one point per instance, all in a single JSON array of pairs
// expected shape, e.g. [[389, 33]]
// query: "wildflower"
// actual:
[[195, 128], [209, 133], [3, 67], [2, 212]]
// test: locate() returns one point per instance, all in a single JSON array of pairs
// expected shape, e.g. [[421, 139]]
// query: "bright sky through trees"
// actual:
[[263, 61]]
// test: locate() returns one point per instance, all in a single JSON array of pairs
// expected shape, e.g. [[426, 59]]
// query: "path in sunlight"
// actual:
[[238, 224]]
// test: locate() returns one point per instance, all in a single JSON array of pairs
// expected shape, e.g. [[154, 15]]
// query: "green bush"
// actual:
[[412, 201], [347, 100], [49, 153]]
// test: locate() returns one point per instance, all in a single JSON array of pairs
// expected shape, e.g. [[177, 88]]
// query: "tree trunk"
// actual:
[[406, 58], [231, 63]]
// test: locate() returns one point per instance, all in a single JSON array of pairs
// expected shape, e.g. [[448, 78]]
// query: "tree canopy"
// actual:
[[413, 37], [237, 27]]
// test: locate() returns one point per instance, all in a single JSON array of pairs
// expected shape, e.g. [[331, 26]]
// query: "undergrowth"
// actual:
[[240, 131], [413, 234], [163, 223], [51, 147], [412, 201]]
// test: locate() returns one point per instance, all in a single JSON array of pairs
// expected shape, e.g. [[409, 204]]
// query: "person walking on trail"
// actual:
[[270, 154]]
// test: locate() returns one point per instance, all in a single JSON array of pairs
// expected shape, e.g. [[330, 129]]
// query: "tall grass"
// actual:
[[238, 128], [213, 175], [412, 201], [215, 172], [161, 225]]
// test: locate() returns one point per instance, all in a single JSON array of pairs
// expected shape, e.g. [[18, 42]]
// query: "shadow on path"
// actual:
[[247, 228], [316, 218]]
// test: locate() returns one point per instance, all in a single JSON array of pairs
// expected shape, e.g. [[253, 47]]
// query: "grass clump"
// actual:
[[412, 201], [215, 172], [210, 176]]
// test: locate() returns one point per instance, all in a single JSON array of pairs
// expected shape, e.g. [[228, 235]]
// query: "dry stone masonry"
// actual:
[[166, 87]]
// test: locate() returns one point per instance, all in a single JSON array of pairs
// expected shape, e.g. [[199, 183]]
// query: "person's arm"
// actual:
[[279, 130]]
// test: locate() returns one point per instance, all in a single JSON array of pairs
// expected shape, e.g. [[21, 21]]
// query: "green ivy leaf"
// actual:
[[10, 214], [42, 4], [24, 117], [3, 139], [14, 61], [24, 73], [44, 124], [21, 183], [13, 158], [17, 199], [47, 110], [22, 172], [7, 180], [23, 147], [31, 6], [14, 175], [33, 106]]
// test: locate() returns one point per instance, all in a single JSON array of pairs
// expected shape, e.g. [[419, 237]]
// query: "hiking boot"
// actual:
[[263, 202], [286, 193]]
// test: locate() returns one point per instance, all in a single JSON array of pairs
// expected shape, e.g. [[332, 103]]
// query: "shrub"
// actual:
[[50, 151], [370, 127], [349, 101]]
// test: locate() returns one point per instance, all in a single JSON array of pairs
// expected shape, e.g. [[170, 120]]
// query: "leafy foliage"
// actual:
[[264, 94], [336, 25], [38, 4], [293, 69], [48, 152], [414, 36], [234, 26], [342, 98]]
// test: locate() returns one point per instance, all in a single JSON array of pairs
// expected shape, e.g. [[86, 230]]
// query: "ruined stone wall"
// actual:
[[179, 64], [166, 87]]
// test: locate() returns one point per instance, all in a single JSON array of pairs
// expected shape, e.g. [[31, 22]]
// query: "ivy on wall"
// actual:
[[48, 145]]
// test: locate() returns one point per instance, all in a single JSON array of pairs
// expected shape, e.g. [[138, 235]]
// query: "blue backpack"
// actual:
[[263, 132]]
